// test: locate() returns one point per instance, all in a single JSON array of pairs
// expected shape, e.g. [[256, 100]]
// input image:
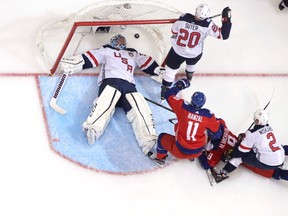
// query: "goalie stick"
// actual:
[[53, 102], [209, 171]]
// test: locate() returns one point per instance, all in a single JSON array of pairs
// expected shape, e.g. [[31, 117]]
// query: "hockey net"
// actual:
[[95, 24]]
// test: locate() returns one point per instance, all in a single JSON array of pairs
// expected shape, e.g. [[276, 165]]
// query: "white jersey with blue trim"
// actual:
[[119, 64], [189, 35], [263, 142]]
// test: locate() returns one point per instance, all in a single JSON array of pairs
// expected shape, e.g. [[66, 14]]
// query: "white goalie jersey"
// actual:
[[119, 64]]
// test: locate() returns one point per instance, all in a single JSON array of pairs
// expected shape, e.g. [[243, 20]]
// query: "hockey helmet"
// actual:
[[261, 117], [202, 11], [198, 99], [118, 42]]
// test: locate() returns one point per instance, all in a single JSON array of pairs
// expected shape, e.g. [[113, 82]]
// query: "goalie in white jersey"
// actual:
[[117, 88], [189, 33], [258, 148]]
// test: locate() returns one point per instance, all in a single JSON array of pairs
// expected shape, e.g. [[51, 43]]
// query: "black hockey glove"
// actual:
[[241, 136], [182, 84], [226, 15], [227, 155]]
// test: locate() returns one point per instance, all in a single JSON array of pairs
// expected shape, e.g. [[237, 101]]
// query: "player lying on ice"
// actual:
[[117, 88], [257, 150], [191, 130]]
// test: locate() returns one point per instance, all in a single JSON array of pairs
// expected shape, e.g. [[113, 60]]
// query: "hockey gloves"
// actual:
[[72, 64], [182, 84], [160, 72], [226, 15], [203, 161]]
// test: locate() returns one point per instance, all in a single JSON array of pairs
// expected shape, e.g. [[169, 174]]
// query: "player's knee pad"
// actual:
[[142, 121], [102, 110], [170, 73]]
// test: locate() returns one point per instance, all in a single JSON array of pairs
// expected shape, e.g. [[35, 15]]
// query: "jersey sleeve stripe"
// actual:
[[146, 63], [93, 58], [244, 148]]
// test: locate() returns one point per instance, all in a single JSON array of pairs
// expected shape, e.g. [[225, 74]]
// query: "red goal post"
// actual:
[[149, 19]]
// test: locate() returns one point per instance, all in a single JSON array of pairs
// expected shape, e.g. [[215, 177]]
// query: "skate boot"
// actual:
[[218, 176], [159, 162]]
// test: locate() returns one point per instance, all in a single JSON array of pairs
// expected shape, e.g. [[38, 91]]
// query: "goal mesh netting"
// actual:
[[98, 22]]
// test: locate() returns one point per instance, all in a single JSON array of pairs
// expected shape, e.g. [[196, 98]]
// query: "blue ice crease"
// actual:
[[117, 150]]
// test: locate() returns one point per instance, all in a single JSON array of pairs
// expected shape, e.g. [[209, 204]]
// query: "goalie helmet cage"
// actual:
[[100, 21]]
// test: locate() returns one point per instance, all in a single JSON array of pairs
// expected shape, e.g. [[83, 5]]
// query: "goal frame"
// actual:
[[99, 24]]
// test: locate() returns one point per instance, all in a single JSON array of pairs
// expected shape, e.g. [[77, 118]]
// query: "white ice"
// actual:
[[36, 181]]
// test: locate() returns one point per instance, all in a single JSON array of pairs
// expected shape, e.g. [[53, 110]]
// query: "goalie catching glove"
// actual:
[[160, 71], [72, 64]]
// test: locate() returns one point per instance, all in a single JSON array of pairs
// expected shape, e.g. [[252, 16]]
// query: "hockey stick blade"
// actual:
[[54, 106], [53, 101]]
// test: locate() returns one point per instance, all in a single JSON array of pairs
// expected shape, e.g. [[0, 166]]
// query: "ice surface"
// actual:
[[36, 181]]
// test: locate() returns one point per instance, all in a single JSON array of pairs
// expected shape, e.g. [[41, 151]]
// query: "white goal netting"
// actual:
[[95, 24]]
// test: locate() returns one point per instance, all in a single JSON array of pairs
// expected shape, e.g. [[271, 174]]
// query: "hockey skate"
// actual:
[[218, 176], [159, 162]]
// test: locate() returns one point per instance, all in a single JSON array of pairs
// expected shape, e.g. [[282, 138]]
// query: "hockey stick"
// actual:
[[215, 16], [264, 107], [53, 101], [164, 107]]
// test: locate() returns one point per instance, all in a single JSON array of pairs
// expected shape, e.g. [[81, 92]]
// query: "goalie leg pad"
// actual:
[[142, 121], [101, 113]]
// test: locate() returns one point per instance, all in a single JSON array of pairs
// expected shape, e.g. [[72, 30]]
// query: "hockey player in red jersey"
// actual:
[[189, 33], [194, 123], [217, 148], [117, 88]]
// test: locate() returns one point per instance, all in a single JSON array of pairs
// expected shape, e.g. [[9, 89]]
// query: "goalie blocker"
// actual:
[[140, 117]]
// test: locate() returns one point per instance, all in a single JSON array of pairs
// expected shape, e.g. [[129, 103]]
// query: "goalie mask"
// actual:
[[202, 11], [198, 100], [261, 117], [118, 42]]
